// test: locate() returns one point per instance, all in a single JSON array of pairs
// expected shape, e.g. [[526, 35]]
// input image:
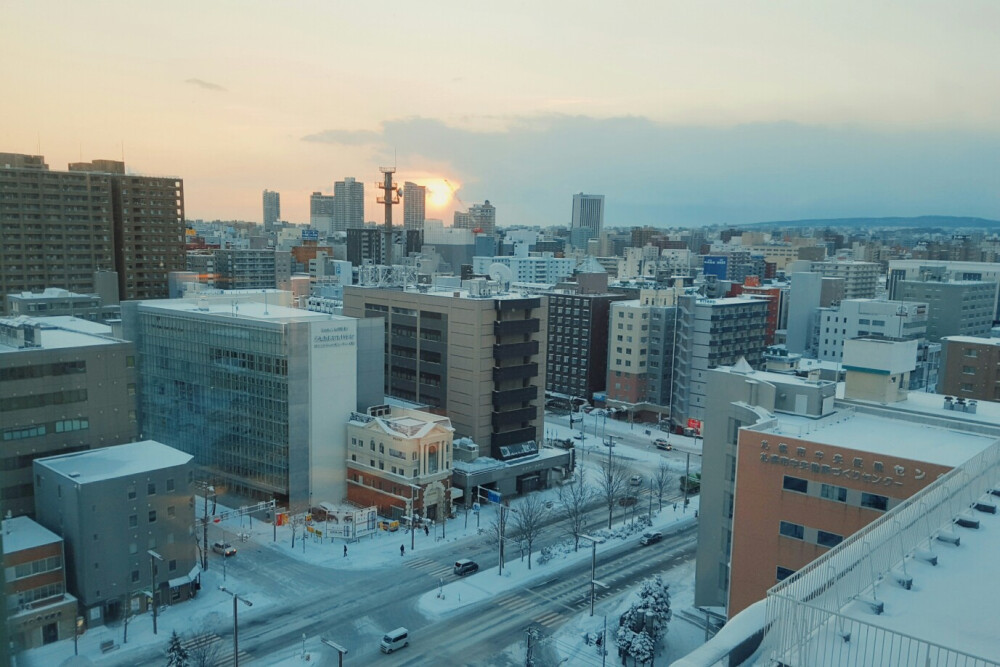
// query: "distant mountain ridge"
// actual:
[[922, 221]]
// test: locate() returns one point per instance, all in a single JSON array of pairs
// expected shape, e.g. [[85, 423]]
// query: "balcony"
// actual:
[[514, 396], [514, 417], [505, 305], [512, 350], [505, 373], [515, 327], [513, 437]]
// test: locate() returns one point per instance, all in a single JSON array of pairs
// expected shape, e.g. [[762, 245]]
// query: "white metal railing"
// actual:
[[840, 415], [806, 605]]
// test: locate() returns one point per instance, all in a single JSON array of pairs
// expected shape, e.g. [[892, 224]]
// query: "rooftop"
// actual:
[[59, 333], [897, 436], [238, 309], [20, 533], [977, 340], [112, 462]]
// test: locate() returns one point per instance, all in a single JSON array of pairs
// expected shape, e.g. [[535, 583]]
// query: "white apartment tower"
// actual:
[[348, 204]]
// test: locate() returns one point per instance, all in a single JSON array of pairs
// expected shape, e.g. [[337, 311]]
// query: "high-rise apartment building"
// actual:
[[272, 209], [245, 386], [944, 272], [579, 338], [861, 279], [348, 204], [65, 385], [414, 205], [711, 333], [321, 208], [474, 353], [867, 317], [588, 213], [641, 365], [365, 245], [61, 227], [481, 218]]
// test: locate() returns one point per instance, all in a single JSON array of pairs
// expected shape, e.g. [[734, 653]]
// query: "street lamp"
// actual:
[[413, 527], [593, 569], [153, 557], [336, 647], [236, 641]]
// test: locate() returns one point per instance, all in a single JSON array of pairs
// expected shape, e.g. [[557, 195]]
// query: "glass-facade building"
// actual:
[[259, 395]]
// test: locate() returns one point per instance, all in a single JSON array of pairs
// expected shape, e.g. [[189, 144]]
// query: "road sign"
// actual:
[[493, 496], [475, 507]]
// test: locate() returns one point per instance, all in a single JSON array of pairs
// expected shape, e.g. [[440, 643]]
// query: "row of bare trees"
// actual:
[[529, 516]]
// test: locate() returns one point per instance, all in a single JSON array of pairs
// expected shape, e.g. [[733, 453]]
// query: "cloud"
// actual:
[[345, 137], [207, 85], [664, 175]]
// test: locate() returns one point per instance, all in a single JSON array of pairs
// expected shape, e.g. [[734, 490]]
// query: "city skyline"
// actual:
[[680, 115]]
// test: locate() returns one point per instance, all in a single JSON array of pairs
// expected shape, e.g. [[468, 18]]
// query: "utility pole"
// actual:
[[153, 557], [604, 642], [528, 659], [687, 478]]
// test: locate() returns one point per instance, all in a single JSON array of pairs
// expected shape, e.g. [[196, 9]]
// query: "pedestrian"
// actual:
[[402, 550], [427, 531], [675, 507], [345, 551]]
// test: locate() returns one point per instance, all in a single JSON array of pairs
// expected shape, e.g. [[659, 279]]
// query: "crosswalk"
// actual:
[[431, 567], [211, 651], [519, 604]]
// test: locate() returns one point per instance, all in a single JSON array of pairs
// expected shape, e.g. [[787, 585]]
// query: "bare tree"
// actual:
[[611, 482], [573, 499], [493, 533], [204, 650], [529, 520], [660, 481]]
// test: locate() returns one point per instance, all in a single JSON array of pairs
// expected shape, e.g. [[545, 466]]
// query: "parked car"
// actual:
[[579, 436], [662, 444], [635, 480], [224, 548], [650, 537], [466, 566]]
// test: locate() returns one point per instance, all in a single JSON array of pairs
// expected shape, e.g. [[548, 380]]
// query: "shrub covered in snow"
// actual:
[[645, 621]]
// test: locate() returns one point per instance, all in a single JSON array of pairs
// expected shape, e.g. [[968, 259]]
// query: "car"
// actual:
[[465, 566], [662, 444], [395, 639], [609, 443], [588, 409], [578, 436], [650, 537], [635, 480], [224, 548]]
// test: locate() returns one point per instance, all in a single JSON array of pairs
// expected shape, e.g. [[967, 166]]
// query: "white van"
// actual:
[[395, 639]]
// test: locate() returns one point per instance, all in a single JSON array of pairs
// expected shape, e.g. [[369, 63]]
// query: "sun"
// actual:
[[438, 192]]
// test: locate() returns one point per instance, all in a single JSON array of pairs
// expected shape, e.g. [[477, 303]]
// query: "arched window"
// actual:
[[432, 459]]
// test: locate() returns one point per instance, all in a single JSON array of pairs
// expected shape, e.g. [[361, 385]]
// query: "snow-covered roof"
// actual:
[[243, 310], [977, 340], [119, 461], [900, 437], [20, 533], [61, 332]]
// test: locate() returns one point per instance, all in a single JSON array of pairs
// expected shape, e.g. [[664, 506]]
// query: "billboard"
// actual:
[[310, 235], [716, 265]]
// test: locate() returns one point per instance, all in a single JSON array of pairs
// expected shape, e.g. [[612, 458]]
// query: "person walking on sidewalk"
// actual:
[[345, 551], [402, 550]]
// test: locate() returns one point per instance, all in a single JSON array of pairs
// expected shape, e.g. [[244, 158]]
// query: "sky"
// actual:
[[680, 113]]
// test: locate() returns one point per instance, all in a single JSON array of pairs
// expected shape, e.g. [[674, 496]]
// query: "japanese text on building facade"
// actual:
[[837, 465]]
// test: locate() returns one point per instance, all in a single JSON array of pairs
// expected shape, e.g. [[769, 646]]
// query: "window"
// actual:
[[965, 386], [135, 576], [151, 489], [831, 492], [131, 493], [171, 565], [969, 370], [783, 573], [170, 484], [130, 361], [825, 539], [133, 548], [970, 353], [171, 511], [793, 530], [874, 501], [133, 520], [152, 516], [796, 484]]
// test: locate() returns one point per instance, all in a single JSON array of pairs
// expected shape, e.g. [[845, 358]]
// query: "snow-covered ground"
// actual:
[[211, 610]]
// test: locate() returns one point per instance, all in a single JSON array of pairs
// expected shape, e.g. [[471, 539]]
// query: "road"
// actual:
[[355, 608]]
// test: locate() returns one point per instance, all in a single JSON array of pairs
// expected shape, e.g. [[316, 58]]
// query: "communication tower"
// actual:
[[389, 197]]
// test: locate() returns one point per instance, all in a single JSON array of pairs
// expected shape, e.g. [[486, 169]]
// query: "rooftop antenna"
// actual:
[[265, 302]]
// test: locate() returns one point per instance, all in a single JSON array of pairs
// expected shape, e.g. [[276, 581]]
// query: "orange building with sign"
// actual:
[[803, 485]]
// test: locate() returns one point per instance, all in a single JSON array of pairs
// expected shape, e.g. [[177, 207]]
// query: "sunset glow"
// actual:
[[438, 192]]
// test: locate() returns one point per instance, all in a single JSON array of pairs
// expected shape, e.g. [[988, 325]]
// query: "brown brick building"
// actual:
[[970, 368]]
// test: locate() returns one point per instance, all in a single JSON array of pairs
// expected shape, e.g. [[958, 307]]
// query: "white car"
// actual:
[[224, 548], [635, 480]]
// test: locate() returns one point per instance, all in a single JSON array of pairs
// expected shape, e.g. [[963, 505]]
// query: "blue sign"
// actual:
[[310, 235], [716, 265], [475, 507], [493, 496]]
